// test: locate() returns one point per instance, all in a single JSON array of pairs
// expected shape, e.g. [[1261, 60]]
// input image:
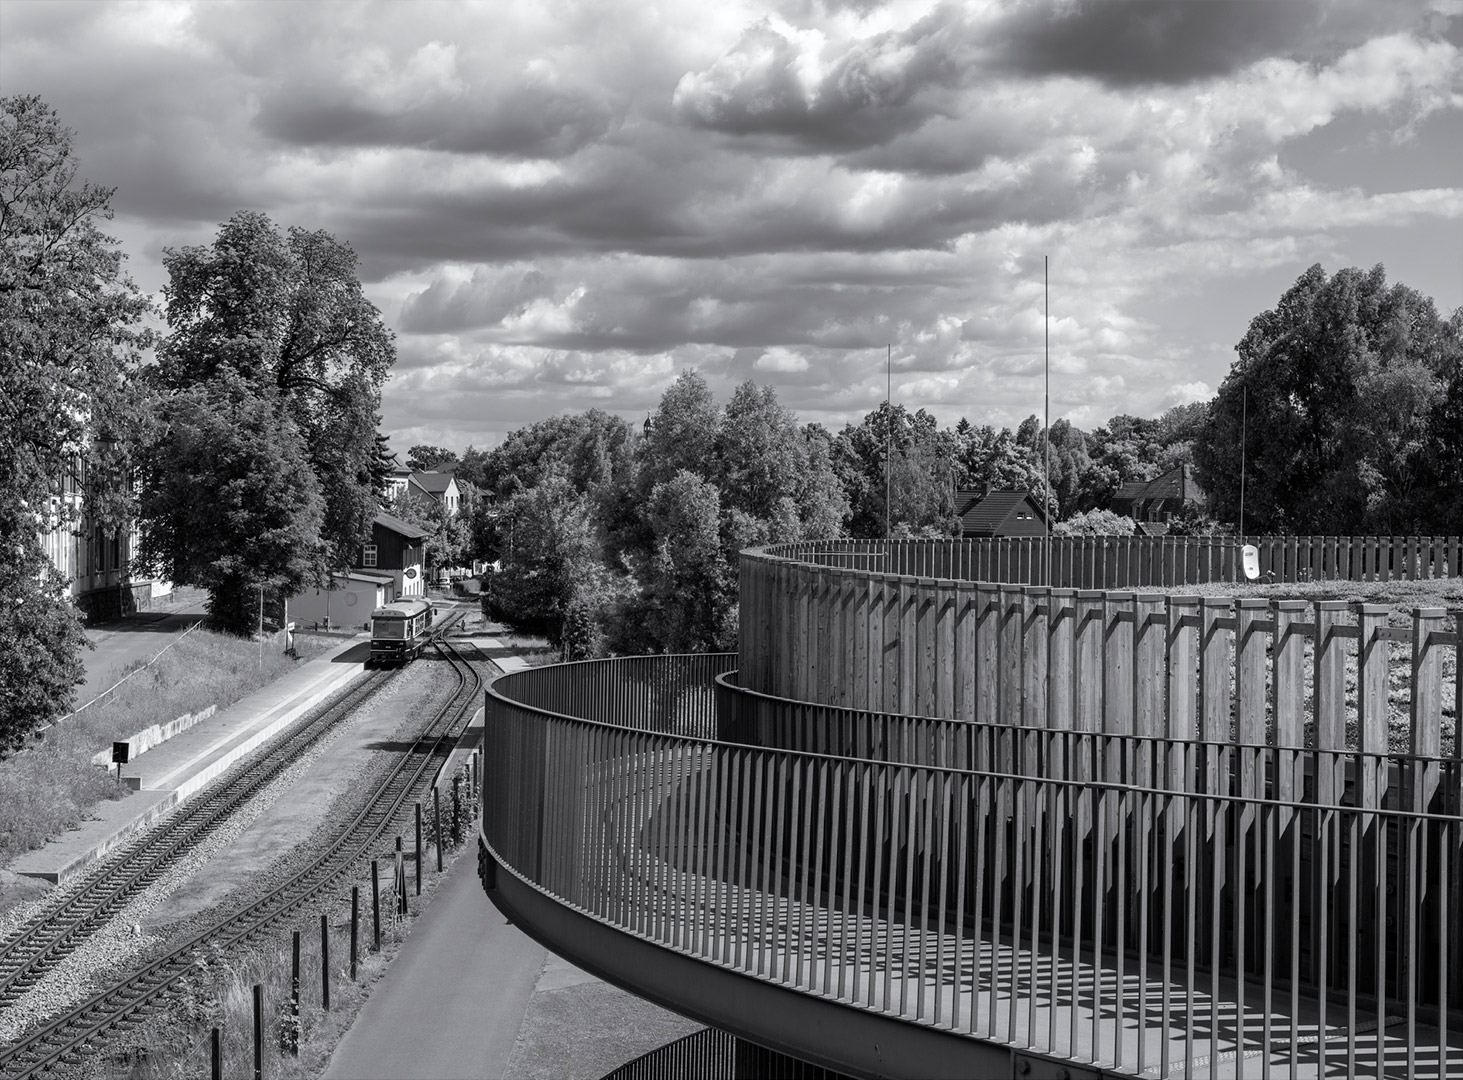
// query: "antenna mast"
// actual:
[[1046, 424], [888, 433]]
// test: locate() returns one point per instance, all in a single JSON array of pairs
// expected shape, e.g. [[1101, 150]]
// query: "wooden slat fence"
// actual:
[[1118, 661], [1131, 562]]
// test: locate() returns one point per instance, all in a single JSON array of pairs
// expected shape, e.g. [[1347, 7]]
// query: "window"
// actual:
[[368, 555]]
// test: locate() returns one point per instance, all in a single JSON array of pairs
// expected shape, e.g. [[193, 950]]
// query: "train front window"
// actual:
[[390, 628]]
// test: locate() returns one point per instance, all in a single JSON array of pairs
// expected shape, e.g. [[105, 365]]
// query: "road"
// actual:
[[470, 996]]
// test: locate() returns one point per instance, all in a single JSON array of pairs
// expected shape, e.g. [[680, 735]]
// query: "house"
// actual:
[[999, 513], [395, 551], [347, 599], [1159, 499], [95, 561], [438, 485]]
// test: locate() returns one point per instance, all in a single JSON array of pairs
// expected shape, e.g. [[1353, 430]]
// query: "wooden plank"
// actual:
[[1148, 678], [1249, 673], [1087, 653], [1034, 659], [987, 653], [893, 612], [874, 643], [963, 648], [1181, 677], [947, 666], [1329, 700], [1427, 705], [905, 644], [1061, 641], [927, 632], [1117, 679], [1009, 691], [1371, 701], [1214, 684]]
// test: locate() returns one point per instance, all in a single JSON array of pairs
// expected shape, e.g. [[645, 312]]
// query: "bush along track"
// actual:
[[86, 1027]]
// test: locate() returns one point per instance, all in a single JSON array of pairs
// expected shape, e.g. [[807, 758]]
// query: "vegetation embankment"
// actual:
[[298, 1042], [53, 785]]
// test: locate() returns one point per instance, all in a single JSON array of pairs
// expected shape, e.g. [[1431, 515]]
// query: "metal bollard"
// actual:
[[258, 1032], [419, 849], [376, 903]]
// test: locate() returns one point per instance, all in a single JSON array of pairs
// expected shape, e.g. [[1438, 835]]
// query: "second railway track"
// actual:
[[36, 949]]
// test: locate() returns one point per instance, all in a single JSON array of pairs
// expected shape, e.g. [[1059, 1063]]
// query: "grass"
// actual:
[[52, 785]]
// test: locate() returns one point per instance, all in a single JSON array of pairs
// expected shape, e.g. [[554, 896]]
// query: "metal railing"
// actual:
[[1119, 919], [710, 1054]]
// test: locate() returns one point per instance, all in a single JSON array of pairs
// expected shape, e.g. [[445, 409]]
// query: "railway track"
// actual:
[[66, 1037]]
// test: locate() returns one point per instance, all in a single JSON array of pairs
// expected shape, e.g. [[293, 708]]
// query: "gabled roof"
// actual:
[[982, 515], [1133, 489], [401, 528], [1177, 483], [434, 482]]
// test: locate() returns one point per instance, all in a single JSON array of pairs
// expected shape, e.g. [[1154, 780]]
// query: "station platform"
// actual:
[[172, 771]]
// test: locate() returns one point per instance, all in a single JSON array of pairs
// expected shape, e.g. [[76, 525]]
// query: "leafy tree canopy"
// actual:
[[230, 499], [425, 458], [285, 315], [1338, 403], [70, 340]]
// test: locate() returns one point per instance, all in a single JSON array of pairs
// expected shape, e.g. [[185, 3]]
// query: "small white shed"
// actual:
[[347, 602]]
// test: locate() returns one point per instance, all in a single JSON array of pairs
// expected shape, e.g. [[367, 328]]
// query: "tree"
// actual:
[[449, 535], [1337, 393], [1095, 523], [922, 472], [549, 557], [424, 458], [231, 501], [287, 317], [70, 341]]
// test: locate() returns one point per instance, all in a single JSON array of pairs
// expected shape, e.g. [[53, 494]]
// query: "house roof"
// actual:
[[401, 528], [434, 482], [1177, 483], [982, 515], [1133, 489], [367, 576]]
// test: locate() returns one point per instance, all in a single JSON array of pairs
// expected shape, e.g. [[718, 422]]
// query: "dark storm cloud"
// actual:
[[526, 121], [1134, 42]]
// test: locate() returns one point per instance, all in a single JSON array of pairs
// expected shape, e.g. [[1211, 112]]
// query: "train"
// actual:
[[400, 630]]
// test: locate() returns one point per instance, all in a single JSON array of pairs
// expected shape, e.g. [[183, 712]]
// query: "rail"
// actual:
[[1121, 921], [1130, 562]]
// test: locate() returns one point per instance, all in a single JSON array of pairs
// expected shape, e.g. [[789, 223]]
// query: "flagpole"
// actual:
[[1047, 415], [888, 436]]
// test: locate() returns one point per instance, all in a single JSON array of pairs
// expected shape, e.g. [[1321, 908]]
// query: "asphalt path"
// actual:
[[452, 1001], [130, 639]]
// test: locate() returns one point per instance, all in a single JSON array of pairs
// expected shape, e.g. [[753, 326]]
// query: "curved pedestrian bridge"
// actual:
[[887, 894]]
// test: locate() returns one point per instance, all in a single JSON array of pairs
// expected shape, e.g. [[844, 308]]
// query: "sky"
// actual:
[[560, 206]]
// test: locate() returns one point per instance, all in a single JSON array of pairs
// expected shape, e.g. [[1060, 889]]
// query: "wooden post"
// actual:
[[1250, 645], [376, 904], [1287, 689], [215, 1055], [258, 1032], [1329, 697], [418, 862], [1182, 678], [398, 883], [355, 926], [1371, 703], [1061, 626], [437, 820], [1214, 684], [456, 812], [295, 994], [1427, 705], [1148, 683]]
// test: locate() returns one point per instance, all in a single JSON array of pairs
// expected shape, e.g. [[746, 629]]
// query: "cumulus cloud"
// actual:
[[559, 205]]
